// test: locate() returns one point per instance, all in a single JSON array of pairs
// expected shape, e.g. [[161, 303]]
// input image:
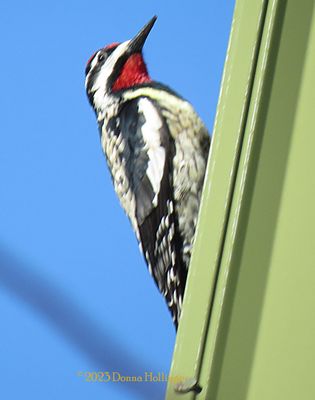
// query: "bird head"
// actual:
[[118, 66]]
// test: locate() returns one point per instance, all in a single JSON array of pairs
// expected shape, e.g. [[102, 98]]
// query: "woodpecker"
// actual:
[[156, 149]]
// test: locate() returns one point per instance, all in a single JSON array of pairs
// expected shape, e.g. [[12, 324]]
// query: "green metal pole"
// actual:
[[247, 327]]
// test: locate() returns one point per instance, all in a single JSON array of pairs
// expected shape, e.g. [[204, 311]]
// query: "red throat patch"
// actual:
[[133, 73]]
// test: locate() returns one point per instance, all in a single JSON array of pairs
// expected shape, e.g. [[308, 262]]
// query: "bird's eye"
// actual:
[[101, 57]]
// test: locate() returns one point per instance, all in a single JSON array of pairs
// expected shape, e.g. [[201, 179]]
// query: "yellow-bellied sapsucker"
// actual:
[[156, 149]]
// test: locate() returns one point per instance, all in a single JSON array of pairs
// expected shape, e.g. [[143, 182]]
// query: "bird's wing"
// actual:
[[148, 153]]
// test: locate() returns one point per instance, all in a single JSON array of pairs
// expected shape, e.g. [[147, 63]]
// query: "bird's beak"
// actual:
[[138, 41]]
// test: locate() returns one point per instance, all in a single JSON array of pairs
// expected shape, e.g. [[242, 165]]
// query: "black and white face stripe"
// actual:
[[102, 70], [99, 58]]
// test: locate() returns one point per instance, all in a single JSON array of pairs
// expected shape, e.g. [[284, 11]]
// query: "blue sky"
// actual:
[[75, 294]]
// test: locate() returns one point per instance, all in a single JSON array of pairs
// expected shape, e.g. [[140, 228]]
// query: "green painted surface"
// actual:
[[247, 330]]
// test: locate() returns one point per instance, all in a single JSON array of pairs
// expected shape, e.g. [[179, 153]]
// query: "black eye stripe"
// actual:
[[104, 54], [89, 63], [101, 55], [108, 52]]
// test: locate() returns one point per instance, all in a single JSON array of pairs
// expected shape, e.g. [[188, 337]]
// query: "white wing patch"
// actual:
[[154, 148]]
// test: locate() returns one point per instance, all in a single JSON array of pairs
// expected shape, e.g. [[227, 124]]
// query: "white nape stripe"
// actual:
[[152, 140]]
